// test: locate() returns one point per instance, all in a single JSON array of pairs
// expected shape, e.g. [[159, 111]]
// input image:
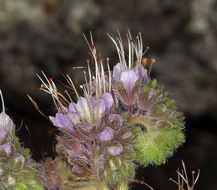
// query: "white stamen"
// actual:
[[3, 110]]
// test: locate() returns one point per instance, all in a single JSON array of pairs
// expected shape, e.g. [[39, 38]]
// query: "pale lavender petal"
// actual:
[[127, 135], [117, 72], [93, 101], [142, 73], [21, 158], [164, 108], [6, 147], [8, 122], [129, 77], [108, 99], [115, 150], [62, 121], [72, 108], [76, 169], [82, 104], [112, 117], [100, 109], [151, 92], [74, 118], [85, 126], [106, 135]]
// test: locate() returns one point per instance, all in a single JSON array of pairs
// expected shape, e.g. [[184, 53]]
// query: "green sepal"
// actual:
[[153, 84], [16, 143], [25, 152], [120, 86], [3, 153]]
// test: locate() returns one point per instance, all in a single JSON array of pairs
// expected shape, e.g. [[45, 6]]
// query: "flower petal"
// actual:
[[112, 118], [108, 99], [6, 147], [8, 122], [106, 135], [142, 73], [129, 77], [115, 150], [117, 72]]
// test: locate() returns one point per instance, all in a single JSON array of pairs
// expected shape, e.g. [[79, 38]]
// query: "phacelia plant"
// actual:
[[123, 118], [17, 170]]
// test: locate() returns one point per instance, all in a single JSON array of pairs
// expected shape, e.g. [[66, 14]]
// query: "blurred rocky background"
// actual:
[[48, 35]]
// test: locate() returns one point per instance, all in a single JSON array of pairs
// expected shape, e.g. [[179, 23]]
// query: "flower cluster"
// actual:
[[122, 117], [17, 169]]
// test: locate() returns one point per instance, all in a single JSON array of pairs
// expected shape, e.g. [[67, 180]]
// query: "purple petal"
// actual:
[[108, 99], [82, 105], [72, 108], [142, 73], [8, 122], [6, 147], [76, 169], [112, 117], [99, 109], [117, 72], [106, 135], [93, 101], [84, 126], [127, 135], [164, 108], [62, 121], [115, 150], [129, 77], [151, 92]]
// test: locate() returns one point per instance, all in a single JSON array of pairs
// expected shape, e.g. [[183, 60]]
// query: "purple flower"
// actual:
[[117, 72], [6, 147], [87, 110], [5, 122], [116, 117], [151, 93], [106, 135], [115, 150], [127, 135]]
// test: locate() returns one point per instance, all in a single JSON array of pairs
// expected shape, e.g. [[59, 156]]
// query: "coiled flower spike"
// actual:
[[17, 169], [123, 117]]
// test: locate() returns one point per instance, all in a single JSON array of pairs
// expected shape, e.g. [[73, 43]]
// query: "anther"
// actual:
[[42, 87], [74, 68], [100, 58], [67, 75], [198, 170], [140, 33], [137, 37], [87, 60], [94, 47], [126, 33], [177, 171], [50, 80], [170, 179], [153, 60], [107, 58], [182, 170], [193, 172], [66, 91], [144, 61], [147, 47]]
